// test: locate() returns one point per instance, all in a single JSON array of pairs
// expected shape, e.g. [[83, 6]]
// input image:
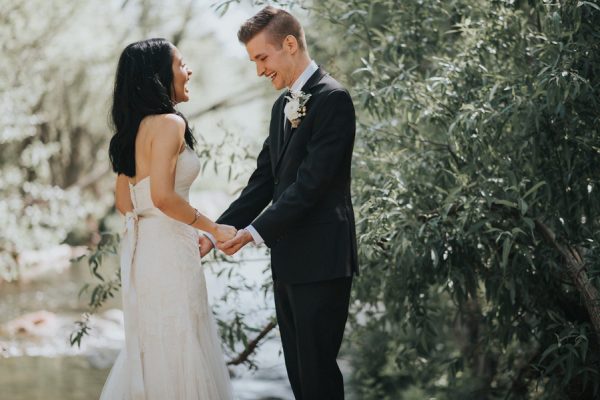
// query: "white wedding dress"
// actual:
[[172, 350]]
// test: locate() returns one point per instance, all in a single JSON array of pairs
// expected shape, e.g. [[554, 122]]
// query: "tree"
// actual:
[[58, 65], [476, 177], [476, 185], [42, 136]]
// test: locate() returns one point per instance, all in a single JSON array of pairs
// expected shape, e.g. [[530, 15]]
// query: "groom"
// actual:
[[303, 169]]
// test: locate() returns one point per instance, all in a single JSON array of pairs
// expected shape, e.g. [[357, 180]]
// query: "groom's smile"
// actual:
[[274, 61], [272, 76]]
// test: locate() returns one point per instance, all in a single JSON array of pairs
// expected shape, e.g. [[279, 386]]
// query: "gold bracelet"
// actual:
[[196, 216]]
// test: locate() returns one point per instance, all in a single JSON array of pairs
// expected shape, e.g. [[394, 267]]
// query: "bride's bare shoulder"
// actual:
[[164, 122], [163, 127]]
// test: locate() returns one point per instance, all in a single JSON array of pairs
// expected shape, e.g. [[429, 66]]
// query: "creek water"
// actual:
[[43, 365]]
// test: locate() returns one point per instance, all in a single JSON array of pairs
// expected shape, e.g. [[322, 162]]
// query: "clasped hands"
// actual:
[[229, 241]]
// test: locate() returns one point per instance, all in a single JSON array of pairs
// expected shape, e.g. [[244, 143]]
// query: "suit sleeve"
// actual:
[[331, 143], [257, 194]]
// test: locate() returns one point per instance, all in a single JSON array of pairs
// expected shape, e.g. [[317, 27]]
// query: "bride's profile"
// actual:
[[171, 350]]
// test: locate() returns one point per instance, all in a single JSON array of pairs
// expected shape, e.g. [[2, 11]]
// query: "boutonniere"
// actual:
[[295, 109]]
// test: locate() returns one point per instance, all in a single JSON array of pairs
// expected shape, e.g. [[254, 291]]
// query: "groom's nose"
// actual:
[[260, 70]]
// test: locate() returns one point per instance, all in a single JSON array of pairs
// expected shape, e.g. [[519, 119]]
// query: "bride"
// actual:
[[171, 346]]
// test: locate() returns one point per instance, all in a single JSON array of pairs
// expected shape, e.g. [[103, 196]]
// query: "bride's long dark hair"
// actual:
[[143, 86]]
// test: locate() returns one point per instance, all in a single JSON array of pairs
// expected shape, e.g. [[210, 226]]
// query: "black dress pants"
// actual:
[[311, 318]]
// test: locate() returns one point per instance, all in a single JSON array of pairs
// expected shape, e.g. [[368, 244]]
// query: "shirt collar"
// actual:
[[304, 76]]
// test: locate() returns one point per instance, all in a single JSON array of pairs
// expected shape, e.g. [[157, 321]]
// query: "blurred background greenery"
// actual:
[[476, 176], [56, 187], [57, 67]]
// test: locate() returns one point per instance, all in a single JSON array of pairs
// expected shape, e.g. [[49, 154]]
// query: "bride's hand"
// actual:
[[224, 233]]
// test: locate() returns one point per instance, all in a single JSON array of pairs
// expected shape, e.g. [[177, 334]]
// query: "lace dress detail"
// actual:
[[172, 350]]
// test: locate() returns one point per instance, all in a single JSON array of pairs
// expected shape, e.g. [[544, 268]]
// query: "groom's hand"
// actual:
[[232, 246], [205, 245]]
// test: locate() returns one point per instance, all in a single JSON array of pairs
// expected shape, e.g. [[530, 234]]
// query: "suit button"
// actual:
[[277, 181]]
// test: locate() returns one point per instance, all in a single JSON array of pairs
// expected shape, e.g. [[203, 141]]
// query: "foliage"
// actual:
[[243, 331], [57, 66], [43, 136], [476, 185], [53, 131], [58, 63], [476, 177], [103, 290]]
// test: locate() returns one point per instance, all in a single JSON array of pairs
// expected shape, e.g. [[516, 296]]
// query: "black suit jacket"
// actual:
[[309, 226]]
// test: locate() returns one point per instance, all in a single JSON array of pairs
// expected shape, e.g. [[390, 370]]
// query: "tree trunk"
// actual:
[[577, 270]]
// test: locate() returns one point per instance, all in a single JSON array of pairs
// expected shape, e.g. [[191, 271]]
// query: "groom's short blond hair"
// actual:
[[276, 22]]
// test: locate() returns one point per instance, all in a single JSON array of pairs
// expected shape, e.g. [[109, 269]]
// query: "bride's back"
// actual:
[[149, 128]]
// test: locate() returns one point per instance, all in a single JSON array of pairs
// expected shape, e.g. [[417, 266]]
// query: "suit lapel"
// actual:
[[312, 81]]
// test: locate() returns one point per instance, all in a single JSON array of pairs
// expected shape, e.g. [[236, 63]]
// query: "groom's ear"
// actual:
[[290, 44]]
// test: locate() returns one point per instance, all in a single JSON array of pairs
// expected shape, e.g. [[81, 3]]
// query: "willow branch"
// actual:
[[252, 345]]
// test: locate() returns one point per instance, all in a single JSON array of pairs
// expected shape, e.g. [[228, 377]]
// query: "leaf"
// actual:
[[523, 207], [584, 348], [534, 189], [475, 227], [512, 290], [552, 348], [434, 257], [588, 3], [506, 246], [505, 203], [83, 289], [529, 222]]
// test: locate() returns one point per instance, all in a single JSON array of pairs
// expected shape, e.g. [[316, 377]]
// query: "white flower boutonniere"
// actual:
[[295, 109]]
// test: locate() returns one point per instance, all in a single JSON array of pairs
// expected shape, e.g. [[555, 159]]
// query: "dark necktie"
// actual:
[[287, 129], [287, 126]]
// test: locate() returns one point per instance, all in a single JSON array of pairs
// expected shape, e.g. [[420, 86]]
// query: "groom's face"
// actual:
[[273, 61]]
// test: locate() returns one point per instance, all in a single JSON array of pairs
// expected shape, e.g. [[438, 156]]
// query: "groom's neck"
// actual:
[[303, 62]]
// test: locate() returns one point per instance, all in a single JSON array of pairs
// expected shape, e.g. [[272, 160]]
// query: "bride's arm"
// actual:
[[122, 197], [165, 146]]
